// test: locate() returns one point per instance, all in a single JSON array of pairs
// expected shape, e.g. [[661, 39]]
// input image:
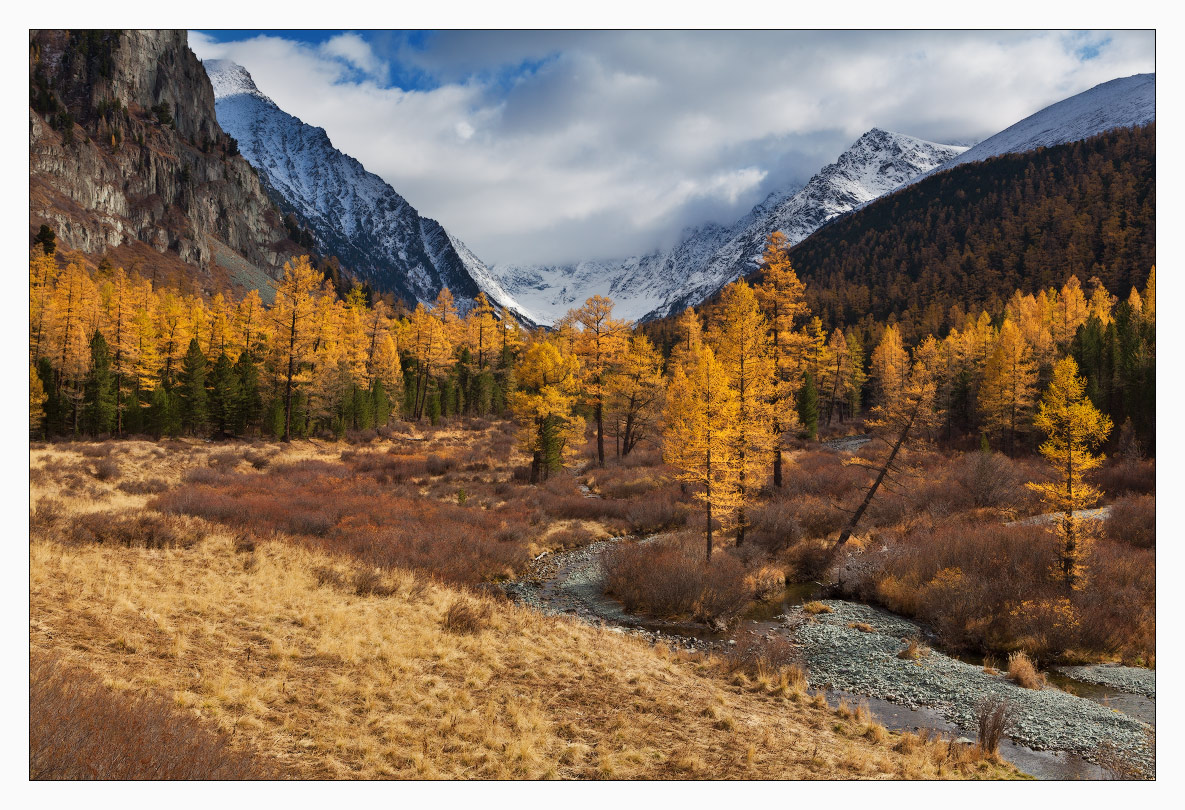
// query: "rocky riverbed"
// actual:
[[845, 658], [1135, 680], [936, 691]]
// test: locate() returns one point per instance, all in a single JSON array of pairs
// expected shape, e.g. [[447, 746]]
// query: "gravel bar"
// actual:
[[1136, 680], [844, 658]]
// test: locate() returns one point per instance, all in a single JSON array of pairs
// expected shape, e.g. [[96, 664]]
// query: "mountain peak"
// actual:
[[230, 79]]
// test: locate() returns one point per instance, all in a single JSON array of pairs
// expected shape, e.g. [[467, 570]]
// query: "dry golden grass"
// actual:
[[328, 683], [1022, 672]]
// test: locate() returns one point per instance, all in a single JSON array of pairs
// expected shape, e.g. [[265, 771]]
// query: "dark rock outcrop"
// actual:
[[125, 149]]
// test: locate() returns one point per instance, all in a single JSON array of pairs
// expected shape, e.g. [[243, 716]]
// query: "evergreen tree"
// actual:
[[46, 239], [226, 398], [808, 406], [249, 410], [191, 389], [99, 398]]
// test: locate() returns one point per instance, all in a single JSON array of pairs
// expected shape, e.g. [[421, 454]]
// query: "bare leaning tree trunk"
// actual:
[[884, 470]]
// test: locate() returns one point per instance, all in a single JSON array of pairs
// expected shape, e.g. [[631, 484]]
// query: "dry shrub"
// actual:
[[1126, 477], [136, 530], [107, 469], [463, 616], [988, 586], [244, 543], [990, 479], [48, 513], [257, 459], [773, 527], [1022, 672], [369, 582], [766, 583], [1133, 520], [331, 507], [914, 650], [759, 655], [671, 578], [863, 627], [96, 450], [78, 729], [149, 486], [993, 714], [815, 608]]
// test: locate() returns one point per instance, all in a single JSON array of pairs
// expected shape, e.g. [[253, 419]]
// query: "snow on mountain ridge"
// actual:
[[1125, 102], [663, 282], [354, 214]]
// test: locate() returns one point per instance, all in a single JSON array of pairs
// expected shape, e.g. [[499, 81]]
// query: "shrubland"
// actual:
[[245, 650]]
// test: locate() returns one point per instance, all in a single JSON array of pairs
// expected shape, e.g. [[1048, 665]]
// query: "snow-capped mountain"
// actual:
[[352, 213], [707, 258], [1126, 102]]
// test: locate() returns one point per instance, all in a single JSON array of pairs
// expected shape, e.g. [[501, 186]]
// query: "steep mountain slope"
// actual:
[[970, 236], [352, 213], [1126, 102], [127, 158], [665, 282]]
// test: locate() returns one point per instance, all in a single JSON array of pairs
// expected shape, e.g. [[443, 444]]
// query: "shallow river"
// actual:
[[570, 582]]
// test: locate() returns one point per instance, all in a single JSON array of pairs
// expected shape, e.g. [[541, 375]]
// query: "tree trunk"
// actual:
[[847, 532], [778, 463], [600, 432]]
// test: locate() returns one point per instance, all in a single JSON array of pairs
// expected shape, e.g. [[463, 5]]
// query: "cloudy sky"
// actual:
[[560, 146]]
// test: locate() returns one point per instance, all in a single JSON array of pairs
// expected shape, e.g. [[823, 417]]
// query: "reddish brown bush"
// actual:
[[149, 486], [989, 479], [78, 729], [107, 469], [991, 587], [465, 617], [379, 525], [670, 578], [1126, 477], [136, 530], [1133, 520]]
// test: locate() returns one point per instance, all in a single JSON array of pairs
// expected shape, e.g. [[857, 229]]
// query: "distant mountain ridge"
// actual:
[[1124, 102], [665, 282], [352, 213]]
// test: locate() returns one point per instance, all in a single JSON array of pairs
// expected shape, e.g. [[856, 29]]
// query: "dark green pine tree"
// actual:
[[55, 408], [250, 407], [225, 398], [808, 406], [98, 410], [380, 403], [47, 239], [163, 417], [191, 390]]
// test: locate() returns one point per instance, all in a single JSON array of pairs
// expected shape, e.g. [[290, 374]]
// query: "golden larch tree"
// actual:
[[1073, 428], [599, 344], [635, 393], [741, 342], [890, 367], [781, 295], [699, 432], [292, 318], [544, 404], [1009, 384]]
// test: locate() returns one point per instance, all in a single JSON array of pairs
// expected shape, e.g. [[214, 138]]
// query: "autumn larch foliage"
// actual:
[[700, 431], [1073, 427], [548, 389], [742, 347]]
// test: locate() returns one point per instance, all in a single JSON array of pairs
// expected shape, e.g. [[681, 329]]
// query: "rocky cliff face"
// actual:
[[125, 148]]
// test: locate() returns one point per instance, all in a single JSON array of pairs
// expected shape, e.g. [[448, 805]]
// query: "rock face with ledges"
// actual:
[[125, 148]]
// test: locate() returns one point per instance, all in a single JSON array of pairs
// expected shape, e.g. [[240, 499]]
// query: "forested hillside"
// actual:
[[967, 238]]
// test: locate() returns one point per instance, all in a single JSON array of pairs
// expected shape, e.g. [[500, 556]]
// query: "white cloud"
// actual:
[[553, 146]]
